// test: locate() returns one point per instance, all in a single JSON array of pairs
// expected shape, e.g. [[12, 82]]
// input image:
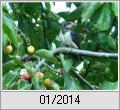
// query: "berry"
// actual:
[[17, 57], [82, 43], [9, 49], [30, 49], [107, 70], [26, 76], [23, 71], [48, 82], [40, 75]]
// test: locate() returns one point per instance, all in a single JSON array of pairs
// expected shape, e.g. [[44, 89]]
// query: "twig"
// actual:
[[85, 53], [26, 39], [84, 80], [40, 63], [56, 71], [26, 57]]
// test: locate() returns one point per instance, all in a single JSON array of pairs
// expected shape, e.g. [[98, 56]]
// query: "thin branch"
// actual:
[[84, 80], [40, 63], [26, 39], [51, 68], [85, 53], [26, 57]]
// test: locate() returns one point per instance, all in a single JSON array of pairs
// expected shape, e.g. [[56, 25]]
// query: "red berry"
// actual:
[[26, 76]]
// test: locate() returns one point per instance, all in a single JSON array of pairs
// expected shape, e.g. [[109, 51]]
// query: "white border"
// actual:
[[59, 90]]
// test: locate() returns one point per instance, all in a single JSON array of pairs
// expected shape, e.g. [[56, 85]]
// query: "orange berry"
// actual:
[[40, 75], [9, 49]]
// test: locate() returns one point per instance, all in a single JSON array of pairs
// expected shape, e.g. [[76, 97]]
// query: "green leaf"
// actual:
[[13, 86], [114, 69], [71, 84], [9, 78], [9, 29], [36, 82], [89, 9], [8, 66], [52, 74], [109, 85], [47, 5], [67, 64], [23, 85], [105, 19], [65, 15], [29, 68], [76, 14], [21, 49], [68, 4], [111, 42], [55, 86], [18, 61], [4, 39], [54, 28], [48, 55], [115, 8]]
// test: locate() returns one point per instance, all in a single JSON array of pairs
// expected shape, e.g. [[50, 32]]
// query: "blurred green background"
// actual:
[[97, 29]]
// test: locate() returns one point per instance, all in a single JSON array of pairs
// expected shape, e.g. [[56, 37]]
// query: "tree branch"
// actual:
[[51, 68], [26, 57], [83, 80], [85, 53], [40, 63]]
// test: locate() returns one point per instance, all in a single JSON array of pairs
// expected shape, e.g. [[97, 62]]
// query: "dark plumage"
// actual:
[[68, 36], [75, 38]]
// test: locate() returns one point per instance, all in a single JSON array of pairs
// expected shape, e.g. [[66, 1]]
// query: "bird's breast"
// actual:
[[66, 38]]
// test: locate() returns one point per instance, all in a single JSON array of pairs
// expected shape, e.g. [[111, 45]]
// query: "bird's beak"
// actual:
[[71, 25]]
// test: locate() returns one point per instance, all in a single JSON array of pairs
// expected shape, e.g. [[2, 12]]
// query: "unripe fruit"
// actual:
[[30, 49], [48, 82], [9, 49], [107, 70], [26, 76], [17, 57], [40, 75], [82, 42]]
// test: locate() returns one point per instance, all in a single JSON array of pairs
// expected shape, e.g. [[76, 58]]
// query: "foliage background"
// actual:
[[97, 29]]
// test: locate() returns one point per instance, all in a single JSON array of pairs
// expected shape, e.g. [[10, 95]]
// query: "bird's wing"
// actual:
[[75, 38]]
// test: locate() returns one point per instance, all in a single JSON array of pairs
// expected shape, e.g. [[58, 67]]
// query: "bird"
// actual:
[[68, 37]]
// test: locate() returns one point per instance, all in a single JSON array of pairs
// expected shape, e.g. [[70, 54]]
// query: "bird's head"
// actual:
[[68, 24]]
